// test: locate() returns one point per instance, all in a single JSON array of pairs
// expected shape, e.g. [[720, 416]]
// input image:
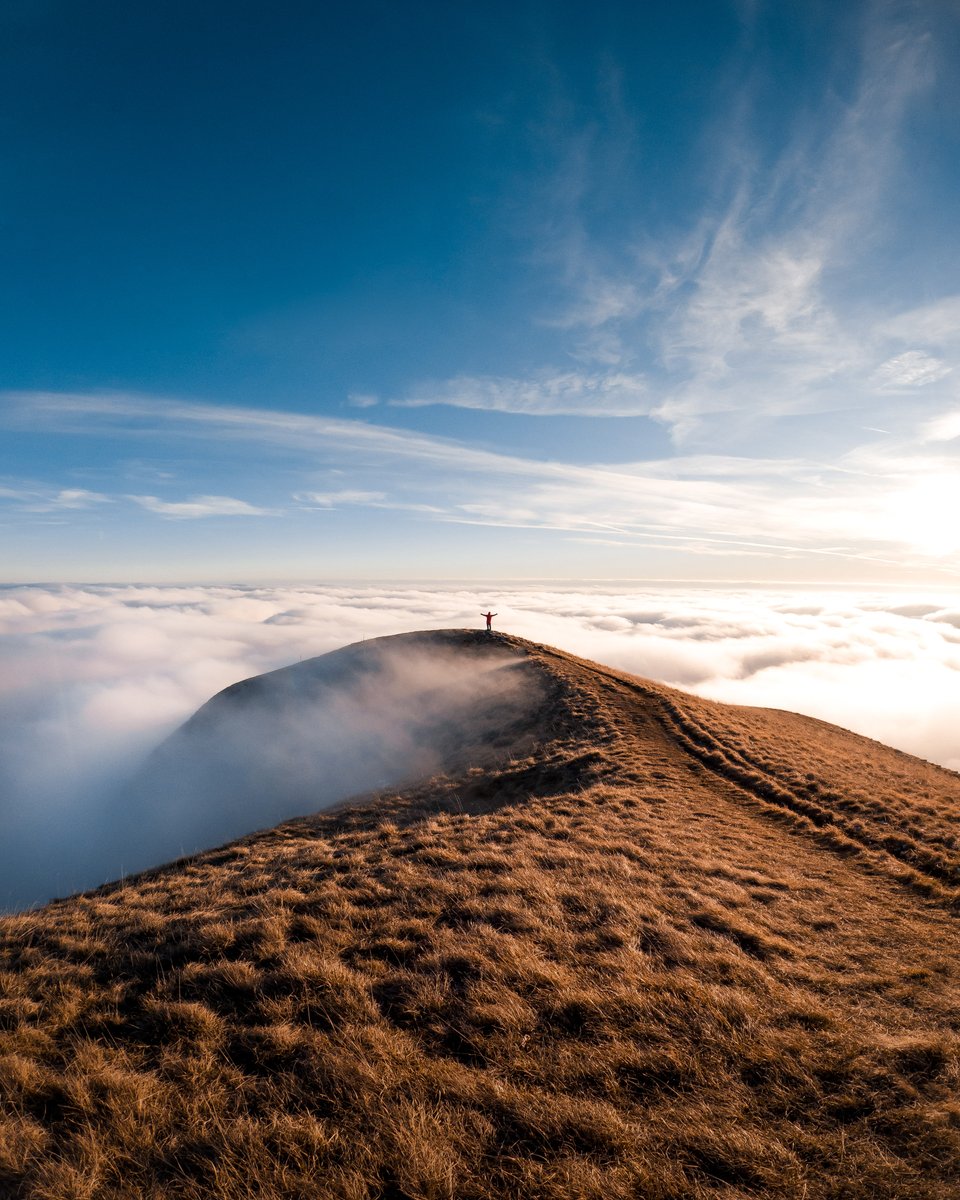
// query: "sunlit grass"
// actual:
[[646, 945]]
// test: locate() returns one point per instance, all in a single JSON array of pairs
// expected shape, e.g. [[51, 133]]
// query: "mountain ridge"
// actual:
[[622, 942]]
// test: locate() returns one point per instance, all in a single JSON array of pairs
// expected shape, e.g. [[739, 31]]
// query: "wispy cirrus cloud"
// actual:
[[77, 498], [274, 429], [752, 315], [598, 301], [549, 393], [200, 506], [761, 317], [36, 498], [935, 325], [912, 369], [888, 502], [344, 496]]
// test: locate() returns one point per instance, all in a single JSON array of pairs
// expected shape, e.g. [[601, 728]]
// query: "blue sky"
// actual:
[[607, 290]]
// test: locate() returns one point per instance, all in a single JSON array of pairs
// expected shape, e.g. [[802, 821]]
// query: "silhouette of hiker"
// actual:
[[489, 616]]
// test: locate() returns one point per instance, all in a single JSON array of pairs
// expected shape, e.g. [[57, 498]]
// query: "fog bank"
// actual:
[[298, 740], [94, 678]]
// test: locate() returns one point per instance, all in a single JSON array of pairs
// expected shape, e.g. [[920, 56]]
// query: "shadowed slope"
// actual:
[[303, 738], [628, 943]]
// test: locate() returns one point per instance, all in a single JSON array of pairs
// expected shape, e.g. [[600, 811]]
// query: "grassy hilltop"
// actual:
[[623, 943]]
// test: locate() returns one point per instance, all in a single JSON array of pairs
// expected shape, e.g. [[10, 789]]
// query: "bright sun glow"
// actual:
[[924, 515]]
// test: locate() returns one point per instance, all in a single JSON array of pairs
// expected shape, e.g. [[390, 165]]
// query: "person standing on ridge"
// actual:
[[489, 616]]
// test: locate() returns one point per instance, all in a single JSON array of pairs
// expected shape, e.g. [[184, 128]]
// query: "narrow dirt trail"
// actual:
[[726, 817], [859, 802]]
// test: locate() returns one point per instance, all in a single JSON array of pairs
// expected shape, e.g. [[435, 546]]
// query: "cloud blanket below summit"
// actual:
[[94, 677]]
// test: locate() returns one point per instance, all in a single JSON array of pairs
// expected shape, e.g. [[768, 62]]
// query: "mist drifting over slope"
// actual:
[[281, 745], [302, 738], [94, 678]]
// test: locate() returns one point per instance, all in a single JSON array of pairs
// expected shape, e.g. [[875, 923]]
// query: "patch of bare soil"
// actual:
[[625, 943]]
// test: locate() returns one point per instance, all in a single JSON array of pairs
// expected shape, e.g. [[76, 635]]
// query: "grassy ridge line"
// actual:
[[926, 872], [581, 970], [924, 859]]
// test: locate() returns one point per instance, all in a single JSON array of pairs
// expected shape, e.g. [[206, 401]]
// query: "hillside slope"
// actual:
[[623, 943]]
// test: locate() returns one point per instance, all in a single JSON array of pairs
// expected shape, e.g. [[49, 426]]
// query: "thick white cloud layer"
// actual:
[[94, 677]]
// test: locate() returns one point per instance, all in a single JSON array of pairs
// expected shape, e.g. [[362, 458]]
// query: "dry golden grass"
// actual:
[[661, 948]]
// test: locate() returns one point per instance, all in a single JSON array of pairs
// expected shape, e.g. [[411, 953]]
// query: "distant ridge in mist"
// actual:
[[297, 740]]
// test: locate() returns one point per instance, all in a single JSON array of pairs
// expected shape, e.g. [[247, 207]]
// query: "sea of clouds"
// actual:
[[94, 677]]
